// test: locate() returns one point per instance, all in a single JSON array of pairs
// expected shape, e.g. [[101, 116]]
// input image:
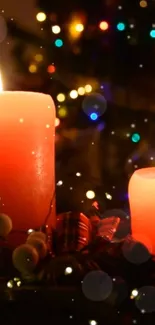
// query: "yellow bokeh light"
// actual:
[[57, 122], [79, 28], [81, 91], [41, 16], [56, 29], [73, 94], [90, 195], [62, 112], [32, 68], [60, 98], [143, 4], [38, 57], [88, 88]]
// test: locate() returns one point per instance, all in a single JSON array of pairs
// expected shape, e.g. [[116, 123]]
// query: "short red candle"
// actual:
[[27, 172], [142, 206]]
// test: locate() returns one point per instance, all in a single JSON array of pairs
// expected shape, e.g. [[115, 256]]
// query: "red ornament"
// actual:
[[73, 232]]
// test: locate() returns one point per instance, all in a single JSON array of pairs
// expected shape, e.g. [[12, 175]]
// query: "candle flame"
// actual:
[[1, 84]]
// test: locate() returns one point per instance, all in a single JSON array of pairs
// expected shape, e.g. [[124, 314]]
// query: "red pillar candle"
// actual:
[[27, 172], [142, 206]]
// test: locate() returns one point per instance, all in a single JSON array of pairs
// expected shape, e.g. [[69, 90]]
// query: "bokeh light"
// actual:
[[39, 57], [103, 25], [79, 28], [56, 29], [81, 91], [57, 122], [88, 88], [60, 98], [32, 68], [90, 195], [152, 33], [121, 26], [73, 94], [58, 42], [51, 68], [41, 16], [143, 4], [135, 137], [94, 103], [93, 116], [62, 112]]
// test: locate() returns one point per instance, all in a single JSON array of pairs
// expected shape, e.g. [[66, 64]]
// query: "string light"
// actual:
[[39, 58], [143, 4], [51, 68], [103, 25], [56, 29], [62, 112], [33, 68], [73, 94], [41, 16], [121, 26], [88, 88], [79, 28], [90, 195], [60, 98], [81, 91], [59, 42]]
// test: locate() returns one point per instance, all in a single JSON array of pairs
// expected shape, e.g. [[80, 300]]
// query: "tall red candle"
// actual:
[[142, 206], [27, 172]]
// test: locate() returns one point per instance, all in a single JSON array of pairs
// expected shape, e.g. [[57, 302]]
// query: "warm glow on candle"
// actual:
[[1, 85]]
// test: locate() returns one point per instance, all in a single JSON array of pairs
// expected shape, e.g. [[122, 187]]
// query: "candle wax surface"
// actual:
[[27, 127]]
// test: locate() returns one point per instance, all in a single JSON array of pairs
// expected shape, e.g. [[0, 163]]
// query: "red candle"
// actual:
[[142, 206], [27, 172]]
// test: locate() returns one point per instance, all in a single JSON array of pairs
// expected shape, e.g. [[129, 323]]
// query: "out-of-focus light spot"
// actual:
[[133, 126], [145, 120], [57, 122], [59, 183], [128, 135], [135, 137], [78, 174], [103, 25], [90, 195], [51, 68], [92, 322], [112, 132], [79, 28], [39, 58], [33, 68], [47, 126], [59, 42], [119, 7], [10, 284], [121, 26], [152, 33], [129, 161], [41, 16], [108, 196], [60, 98], [81, 91], [56, 29], [134, 293], [143, 4], [73, 94], [62, 112], [94, 116], [131, 26], [30, 231], [19, 283], [68, 270], [88, 88]]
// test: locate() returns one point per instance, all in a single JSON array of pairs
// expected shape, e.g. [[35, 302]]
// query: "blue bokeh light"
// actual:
[[152, 33], [135, 137], [93, 116], [58, 42], [120, 26]]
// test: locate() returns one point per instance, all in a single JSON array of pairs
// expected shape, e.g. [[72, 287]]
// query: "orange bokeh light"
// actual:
[[51, 69], [103, 25]]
